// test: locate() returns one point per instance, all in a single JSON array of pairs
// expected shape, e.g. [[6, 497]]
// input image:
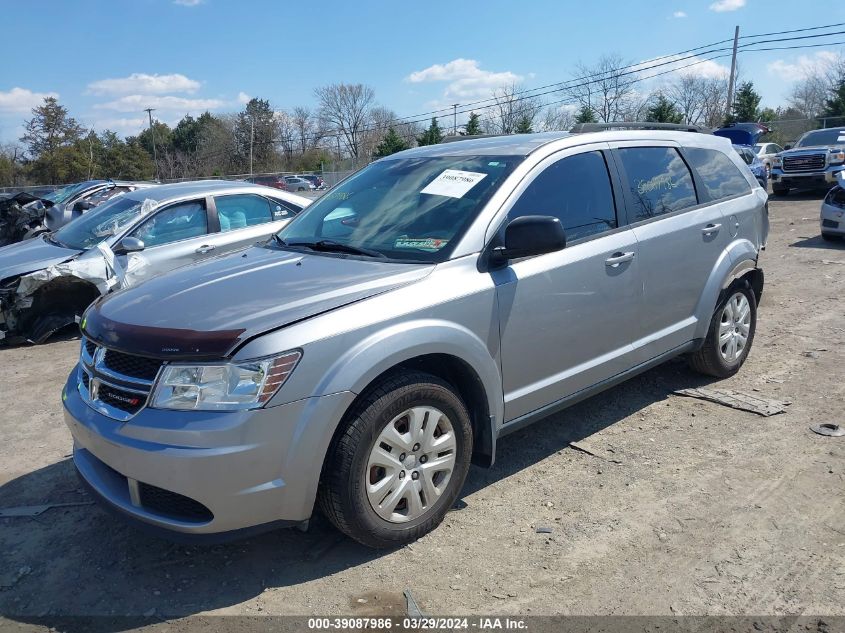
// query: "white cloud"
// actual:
[[136, 103], [803, 66], [22, 100], [188, 3], [679, 14], [685, 65], [122, 126], [464, 78], [142, 83], [244, 98], [727, 5]]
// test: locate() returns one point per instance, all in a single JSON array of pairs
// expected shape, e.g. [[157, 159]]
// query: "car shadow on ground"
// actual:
[[81, 561], [818, 242]]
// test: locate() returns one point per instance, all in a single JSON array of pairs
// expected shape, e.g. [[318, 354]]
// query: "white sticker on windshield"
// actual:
[[453, 183]]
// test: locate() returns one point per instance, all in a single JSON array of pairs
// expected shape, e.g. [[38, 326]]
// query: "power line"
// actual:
[[811, 28]]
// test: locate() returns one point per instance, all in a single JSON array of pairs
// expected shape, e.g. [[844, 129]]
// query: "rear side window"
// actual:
[[576, 190], [721, 177], [659, 181], [241, 211], [178, 222]]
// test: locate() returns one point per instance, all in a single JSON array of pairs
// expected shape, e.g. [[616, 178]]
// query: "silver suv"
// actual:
[[815, 162], [396, 329]]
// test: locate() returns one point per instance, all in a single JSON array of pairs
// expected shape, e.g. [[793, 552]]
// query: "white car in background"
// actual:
[[766, 153]]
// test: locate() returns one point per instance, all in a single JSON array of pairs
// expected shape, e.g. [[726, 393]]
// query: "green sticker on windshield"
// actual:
[[431, 244]]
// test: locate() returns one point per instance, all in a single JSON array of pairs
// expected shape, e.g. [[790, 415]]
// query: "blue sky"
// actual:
[[108, 59]]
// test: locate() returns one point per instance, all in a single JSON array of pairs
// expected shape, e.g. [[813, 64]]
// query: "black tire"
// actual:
[[830, 237], [342, 496], [708, 359], [780, 190]]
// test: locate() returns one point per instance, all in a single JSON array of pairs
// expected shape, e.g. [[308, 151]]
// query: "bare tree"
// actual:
[[557, 117], [606, 88], [809, 95], [509, 108], [307, 128], [345, 107], [688, 93]]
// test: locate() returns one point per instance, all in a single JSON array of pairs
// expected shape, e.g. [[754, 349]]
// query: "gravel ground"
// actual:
[[694, 508]]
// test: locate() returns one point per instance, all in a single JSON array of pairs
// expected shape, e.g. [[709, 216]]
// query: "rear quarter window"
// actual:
[[659, 181], [719, 174]]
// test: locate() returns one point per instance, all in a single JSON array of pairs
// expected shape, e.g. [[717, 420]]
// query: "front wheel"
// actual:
[[396, 467], [730, 335]]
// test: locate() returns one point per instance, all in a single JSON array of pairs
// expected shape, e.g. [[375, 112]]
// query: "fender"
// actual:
[[736, 260], [389, 347]]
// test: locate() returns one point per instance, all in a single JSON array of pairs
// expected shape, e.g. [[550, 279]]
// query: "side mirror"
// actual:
[[531, 235], [82, 205], [128, 245], [787, 146]]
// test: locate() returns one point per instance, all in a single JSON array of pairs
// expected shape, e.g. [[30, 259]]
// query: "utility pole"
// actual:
[[90, 154], [251, 139], [733, 73], [455, 119], [149, 112]]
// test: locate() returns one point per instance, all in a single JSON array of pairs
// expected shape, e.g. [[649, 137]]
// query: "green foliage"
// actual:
[[432, 136], [258, 121], [585, 115], [746, 103], [163, 138], [523, 125], [473, 126], [768, 114], [663, 111], [835, 104], [48, 136], [390, 144]]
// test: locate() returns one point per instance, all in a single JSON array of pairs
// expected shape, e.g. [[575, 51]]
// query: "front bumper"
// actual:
[[807, 180], [832, 219], [205, 472]]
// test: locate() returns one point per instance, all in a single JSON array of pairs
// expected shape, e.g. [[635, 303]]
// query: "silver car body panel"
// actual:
[[539, 333]]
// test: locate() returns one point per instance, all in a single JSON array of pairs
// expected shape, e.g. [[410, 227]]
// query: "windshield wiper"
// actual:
[[337, 247]]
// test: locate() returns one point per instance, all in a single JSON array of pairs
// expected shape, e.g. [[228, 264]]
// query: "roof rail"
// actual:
[[451, 138], [637, 125]]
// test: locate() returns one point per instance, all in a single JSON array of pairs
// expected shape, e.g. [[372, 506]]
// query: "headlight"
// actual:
[[777, 161], [837, 158], [223, 386]]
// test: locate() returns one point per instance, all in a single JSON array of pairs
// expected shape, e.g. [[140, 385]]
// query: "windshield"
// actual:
[[412, 209], [759, 147], [99, 224], [822, 137], [60, 195]]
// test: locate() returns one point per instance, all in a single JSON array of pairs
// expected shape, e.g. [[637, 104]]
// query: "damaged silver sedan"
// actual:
[[47, 282]]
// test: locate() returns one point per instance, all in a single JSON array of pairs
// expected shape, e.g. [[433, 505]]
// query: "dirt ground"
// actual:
[[696, 508]]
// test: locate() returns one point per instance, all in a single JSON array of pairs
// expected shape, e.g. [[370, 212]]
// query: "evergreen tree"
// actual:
[[523, 125], [390, 144], [585, 115], [49, 135], [663, 111], [258, 122], [473, 126], [746, 105], [432, 136], [835, 105]]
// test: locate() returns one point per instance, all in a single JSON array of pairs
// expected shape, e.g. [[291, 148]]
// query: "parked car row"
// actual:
[[307, 182]]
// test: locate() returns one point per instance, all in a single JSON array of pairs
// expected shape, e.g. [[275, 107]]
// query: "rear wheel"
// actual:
[[397, 466], [730, 335]]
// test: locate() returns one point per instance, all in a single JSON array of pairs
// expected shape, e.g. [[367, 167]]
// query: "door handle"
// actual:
[[618, 258], [711, 228], [205, 248]]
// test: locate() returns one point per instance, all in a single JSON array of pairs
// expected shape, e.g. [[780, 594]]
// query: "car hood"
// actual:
[[814, 149], [30, 255], [208, 310]]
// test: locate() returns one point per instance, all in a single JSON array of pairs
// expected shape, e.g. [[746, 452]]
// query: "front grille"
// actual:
[[120, 399], [132, 366], [804, 162], [830, 224], [115, 383], [173, 505]]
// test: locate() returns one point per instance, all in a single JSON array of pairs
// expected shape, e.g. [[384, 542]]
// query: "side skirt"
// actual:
[[578, 396]]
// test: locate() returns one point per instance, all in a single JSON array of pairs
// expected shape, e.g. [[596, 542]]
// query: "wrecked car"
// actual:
[[47, 282], [25, 215]]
